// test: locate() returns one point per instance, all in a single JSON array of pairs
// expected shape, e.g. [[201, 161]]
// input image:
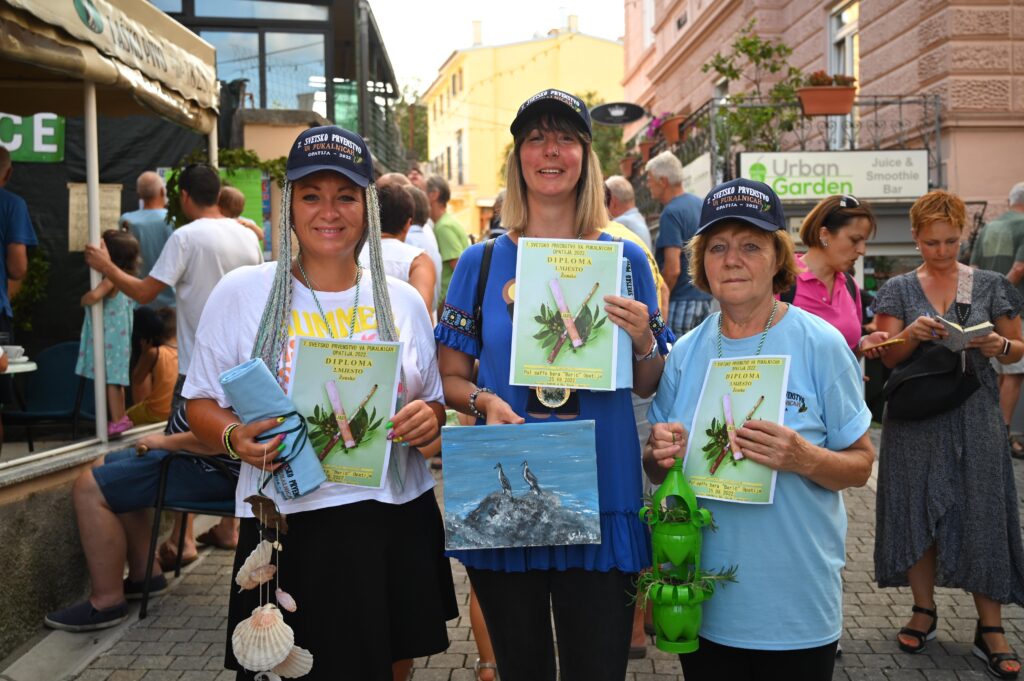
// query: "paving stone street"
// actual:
[[183, 638]]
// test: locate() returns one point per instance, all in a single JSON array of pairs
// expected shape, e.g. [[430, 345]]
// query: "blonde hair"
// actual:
[[936, 206], [833, 217], [784, 277], [591, 214]]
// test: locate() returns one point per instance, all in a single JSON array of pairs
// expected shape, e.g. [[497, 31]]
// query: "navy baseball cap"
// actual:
[[330, 148], [742, 200], [552, 101]]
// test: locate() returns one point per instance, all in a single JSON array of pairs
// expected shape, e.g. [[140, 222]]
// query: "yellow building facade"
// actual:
[[477, 93]]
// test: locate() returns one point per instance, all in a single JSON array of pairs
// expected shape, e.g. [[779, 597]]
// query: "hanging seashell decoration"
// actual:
[[263, 640], [259, 557], [285, 600], [298, 663], [267, 676]]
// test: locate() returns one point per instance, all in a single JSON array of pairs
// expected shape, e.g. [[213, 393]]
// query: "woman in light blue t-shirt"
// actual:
[[784, 614]]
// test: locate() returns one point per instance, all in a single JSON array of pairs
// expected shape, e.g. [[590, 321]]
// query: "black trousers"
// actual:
[[593, 615], [712, 662]]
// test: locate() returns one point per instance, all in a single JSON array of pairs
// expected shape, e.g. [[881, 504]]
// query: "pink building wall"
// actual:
[[970, 52]]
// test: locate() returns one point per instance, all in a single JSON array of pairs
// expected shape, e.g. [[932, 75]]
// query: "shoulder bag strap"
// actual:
[[481, 289]]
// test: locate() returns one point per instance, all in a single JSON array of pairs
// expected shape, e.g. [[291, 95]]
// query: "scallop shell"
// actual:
[[285, 600], [259, 557], [298, 663], [262, 640], [267, 676]]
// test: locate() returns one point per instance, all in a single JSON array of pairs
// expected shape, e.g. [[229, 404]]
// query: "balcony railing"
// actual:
[[723, 128]]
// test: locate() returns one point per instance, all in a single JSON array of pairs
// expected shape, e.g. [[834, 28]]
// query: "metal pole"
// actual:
[[212, 143], [712, 146], [937, 103], [92, 185]]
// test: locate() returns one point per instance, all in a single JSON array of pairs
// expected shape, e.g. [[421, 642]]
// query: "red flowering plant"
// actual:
[[651, 132]]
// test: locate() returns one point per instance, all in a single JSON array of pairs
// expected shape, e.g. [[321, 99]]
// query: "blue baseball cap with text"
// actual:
[[329, 147], [552, 101], [742, 200]]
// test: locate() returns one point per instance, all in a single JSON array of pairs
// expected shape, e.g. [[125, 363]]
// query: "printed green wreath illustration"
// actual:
[[324, 433]]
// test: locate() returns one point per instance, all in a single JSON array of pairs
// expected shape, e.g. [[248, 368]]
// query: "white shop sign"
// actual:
[[879, 175], [697, 175]]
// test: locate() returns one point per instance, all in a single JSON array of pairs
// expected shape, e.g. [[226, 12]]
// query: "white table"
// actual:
[[20, 367]]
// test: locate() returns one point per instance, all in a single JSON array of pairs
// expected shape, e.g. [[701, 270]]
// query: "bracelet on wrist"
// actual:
[[226, 438], [1006, 347], [652, 352], [472, 402]]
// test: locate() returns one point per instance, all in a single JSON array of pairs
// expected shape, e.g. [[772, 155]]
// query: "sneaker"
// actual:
[[117, 427], [133, 590], [84, 617]]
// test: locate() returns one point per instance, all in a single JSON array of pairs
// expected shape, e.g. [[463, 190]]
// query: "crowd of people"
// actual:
[[721, 279]]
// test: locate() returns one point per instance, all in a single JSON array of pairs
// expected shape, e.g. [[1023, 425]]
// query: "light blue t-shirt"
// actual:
[[150, 227], [789, 592]]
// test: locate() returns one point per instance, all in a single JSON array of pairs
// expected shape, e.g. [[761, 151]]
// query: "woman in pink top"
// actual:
[[835, 233]]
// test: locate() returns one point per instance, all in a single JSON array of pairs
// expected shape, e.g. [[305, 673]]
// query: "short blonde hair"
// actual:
[[936, 206], [591, 214], [784, 277]]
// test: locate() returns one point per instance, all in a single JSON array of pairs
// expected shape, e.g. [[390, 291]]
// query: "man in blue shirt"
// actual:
[[16, 235], [149, 225], [687, 306]]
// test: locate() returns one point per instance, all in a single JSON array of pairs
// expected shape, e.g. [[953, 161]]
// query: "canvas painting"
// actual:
[[532, 484]]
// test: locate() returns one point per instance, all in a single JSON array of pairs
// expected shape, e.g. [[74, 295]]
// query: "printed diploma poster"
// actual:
[[735, 391], [561, 336], [346, 391]]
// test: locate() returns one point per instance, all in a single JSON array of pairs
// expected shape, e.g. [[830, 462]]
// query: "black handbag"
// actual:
[[938, 379]]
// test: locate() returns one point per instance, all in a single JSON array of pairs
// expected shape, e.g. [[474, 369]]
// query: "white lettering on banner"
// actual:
[[14, 143], [40, 131], [813, 175]]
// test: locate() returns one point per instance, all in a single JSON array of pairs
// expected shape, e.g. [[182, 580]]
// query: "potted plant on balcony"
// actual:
[[670, 127], [826, 95]]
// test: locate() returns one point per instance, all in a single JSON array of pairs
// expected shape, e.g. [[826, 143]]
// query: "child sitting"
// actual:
[[156, 369]]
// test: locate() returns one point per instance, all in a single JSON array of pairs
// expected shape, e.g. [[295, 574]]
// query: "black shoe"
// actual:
[[133, 590], [84, 617], [993, 661], [922, 636]]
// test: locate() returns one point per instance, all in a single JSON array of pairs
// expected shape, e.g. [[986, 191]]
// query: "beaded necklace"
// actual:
[[355, 303], [764, 334]]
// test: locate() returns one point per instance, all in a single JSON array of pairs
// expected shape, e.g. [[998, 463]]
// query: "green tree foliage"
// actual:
[[762, 67], [406, 107]]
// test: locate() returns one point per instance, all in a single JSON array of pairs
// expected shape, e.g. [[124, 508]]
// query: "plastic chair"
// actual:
[[224, 509], [53, 392]]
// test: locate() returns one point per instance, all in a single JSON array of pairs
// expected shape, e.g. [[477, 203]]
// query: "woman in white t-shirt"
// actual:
[[401, 260], [341, 538]]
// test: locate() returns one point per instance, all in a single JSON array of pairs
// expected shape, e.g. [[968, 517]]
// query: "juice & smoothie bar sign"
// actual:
[[813, 175]]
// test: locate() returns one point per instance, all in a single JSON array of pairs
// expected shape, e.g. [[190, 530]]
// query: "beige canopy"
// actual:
[[136, 55]]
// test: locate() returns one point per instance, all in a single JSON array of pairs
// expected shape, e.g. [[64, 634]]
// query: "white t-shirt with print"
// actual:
[[193, 260], [225, 339], [422, 236]]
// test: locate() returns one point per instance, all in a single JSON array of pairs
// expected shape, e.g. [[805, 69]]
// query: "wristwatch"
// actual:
[[1006, 347], [472, 402]]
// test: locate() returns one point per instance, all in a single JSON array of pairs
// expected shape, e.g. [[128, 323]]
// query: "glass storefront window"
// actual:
[[261, 9], [238, 56], [295, 71]]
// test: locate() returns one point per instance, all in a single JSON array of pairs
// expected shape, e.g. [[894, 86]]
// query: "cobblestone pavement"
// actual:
[[183, 638]]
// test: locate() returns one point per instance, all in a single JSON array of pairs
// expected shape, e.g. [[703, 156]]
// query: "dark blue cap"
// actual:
[[742, 200], [330, 148], [552, 101]]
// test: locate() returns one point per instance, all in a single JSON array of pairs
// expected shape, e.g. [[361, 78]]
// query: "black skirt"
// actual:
[[371, 582]]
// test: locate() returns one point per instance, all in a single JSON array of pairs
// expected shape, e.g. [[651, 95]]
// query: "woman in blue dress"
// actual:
[[555, 190]]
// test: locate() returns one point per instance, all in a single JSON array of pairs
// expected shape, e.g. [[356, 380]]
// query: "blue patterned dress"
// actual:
[[118, 314]]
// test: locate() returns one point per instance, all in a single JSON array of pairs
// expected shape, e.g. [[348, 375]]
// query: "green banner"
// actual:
[[33, 139]]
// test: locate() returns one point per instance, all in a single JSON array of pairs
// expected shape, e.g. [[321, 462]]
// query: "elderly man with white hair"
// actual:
[[688, 305], [1000, 248], [149, 225], [622, 208]]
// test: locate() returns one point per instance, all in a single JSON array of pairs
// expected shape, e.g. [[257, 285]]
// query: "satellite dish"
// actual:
[[617, 113]]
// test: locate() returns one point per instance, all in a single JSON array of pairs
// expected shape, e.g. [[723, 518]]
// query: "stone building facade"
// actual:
[[969, 52]]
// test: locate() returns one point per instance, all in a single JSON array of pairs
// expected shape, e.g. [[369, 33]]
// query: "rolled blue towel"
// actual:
[[255, 395]]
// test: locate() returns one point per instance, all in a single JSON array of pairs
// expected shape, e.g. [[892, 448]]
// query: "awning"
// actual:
[[135, 54]]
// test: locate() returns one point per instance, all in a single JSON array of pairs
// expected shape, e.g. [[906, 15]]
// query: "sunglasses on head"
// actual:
[[845, 201]]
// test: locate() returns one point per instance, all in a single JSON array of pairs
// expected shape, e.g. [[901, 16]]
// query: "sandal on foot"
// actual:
[[993, 661], [922, 636], [478, 666], [210, 538], [1016, 447]]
